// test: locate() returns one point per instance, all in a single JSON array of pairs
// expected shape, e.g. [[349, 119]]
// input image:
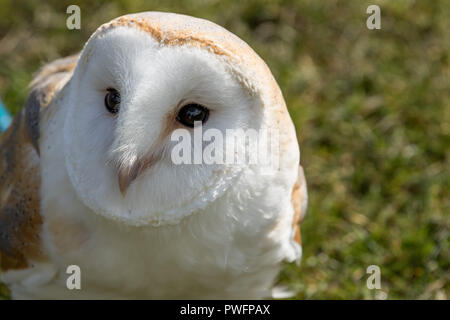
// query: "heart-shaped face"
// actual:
[[144, 83]]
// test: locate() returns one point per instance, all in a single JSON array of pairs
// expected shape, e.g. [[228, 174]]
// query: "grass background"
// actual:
[[372, 113]]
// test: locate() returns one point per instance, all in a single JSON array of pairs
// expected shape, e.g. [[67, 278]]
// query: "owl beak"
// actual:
[[126, 177], [127, 174]]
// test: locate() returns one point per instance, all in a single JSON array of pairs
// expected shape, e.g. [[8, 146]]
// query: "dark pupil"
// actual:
[[112, 100], [191, 113]]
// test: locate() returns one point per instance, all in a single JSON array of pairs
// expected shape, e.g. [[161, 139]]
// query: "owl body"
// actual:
[[102, 193]]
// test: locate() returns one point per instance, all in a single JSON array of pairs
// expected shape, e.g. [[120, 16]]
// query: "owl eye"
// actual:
[[112, 100], [192, 112]]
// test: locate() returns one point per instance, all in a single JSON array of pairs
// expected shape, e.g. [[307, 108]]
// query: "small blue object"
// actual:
[[5, 117]]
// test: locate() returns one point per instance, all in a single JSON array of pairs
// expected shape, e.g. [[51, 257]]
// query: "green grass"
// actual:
[[372, 112]]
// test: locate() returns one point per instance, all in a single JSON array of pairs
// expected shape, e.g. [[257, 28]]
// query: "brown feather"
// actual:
[[20, 219], [299, 200]]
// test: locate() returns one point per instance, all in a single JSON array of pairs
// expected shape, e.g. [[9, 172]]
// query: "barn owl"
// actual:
[[87, 178]]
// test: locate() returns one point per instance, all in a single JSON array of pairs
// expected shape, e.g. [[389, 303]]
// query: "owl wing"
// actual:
[[299, 202], [20, 219]]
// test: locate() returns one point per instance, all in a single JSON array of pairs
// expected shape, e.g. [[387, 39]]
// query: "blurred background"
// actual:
[[372, 112]]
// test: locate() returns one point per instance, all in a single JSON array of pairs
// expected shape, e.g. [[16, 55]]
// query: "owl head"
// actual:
[[139, 79]]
